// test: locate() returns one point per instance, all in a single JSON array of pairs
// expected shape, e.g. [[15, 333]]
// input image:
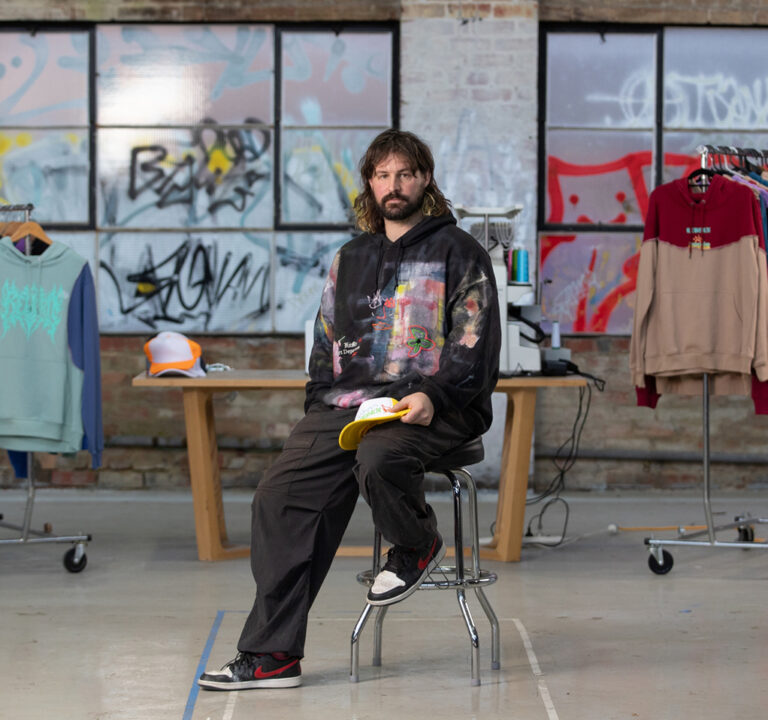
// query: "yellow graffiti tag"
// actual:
[[219, 161], [347, 181]]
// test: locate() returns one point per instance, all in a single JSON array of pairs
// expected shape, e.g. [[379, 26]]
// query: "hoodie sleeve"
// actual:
[[760, 360], [469, 360], [321, 357], [83, 329], [644, 291], [760, 387]]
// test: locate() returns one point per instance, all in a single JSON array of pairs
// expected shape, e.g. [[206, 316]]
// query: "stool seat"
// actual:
[[458, 576], [469, 453]]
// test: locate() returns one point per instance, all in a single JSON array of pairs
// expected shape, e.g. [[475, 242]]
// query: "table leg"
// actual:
[[203, 455], [513, 481]]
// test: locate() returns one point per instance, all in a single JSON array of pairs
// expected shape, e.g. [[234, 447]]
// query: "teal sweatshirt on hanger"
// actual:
[[50, 378]]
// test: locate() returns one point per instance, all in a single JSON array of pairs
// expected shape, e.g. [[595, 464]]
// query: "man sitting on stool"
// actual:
[[409, 311]]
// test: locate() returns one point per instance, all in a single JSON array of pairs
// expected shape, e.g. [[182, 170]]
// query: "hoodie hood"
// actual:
[[51, 256], [715, 194], [700, 221], [419, 232]]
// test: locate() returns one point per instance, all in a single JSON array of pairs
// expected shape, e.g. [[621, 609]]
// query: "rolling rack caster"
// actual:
[[74, 559], [661, 561]]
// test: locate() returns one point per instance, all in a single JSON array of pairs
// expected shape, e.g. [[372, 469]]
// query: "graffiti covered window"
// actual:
[[624, 111], [207, 172], [45, 154]]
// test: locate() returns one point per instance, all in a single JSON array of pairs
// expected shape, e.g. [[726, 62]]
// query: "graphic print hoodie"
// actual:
[[50, 394], [416, 315], [702, 294]]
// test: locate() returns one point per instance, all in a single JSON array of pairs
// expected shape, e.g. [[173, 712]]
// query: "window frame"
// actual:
[[276, 127], [553, 28], [337, 28]]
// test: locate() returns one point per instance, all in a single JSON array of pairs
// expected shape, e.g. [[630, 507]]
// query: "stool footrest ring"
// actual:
[[485, 578]]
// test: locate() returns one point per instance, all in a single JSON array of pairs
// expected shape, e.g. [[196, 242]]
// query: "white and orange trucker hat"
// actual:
[[171, 353], [370, 413]]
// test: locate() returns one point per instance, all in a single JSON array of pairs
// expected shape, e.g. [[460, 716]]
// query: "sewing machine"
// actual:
[[520, 325]]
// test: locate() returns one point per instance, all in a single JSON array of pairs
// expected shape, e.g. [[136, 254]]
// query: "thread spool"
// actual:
[[555, 334], [520, 266]]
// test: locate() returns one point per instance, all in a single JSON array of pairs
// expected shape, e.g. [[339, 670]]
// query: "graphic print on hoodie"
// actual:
[[418, 314]]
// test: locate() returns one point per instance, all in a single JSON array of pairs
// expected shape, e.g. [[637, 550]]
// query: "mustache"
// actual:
[[394, 196]]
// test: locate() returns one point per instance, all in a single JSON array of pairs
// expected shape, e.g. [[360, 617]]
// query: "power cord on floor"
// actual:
[[565, 457]]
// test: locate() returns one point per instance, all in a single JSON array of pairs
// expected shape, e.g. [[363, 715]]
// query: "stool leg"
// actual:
[[377, 627], [458, 530], [473, 636], [475, 540], [495, 633], [355, 647], [354, 663], [460, 577]]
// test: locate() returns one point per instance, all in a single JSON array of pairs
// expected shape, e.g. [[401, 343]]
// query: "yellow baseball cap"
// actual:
[[371, 412]]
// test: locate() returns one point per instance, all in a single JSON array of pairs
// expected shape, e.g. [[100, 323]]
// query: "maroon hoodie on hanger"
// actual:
[[701, 304]]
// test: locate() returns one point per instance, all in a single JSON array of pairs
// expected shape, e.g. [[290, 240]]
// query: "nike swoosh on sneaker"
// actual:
[[259, 674], [425, 561]]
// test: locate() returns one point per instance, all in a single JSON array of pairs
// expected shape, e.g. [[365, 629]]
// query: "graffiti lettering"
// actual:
[[690, 101], [715, 101], [219, 163], [189, 284]]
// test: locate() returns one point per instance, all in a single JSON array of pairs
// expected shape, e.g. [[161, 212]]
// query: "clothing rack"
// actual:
[[660, 561], [75, 558]]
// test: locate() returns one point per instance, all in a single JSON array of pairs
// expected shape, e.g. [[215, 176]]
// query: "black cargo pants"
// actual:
[[303, 504]]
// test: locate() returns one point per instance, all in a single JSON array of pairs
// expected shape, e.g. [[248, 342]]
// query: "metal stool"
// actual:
[[444, 577]]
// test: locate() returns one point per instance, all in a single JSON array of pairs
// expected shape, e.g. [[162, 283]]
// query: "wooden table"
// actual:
[[202, 451]]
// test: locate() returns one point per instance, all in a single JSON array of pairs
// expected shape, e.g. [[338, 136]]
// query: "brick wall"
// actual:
[[669, 438], [199, 10], [706, 12], [469, 79]]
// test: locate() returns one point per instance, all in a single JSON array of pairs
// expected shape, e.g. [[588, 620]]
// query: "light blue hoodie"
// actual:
[[50, 377]]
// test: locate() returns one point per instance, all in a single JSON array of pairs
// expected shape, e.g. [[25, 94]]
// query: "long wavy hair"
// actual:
[[418, 154]]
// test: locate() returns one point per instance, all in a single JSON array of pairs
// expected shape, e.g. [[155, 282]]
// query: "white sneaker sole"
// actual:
[[250, 684]]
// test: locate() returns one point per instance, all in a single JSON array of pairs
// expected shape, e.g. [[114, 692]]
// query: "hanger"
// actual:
[[726, 151], [746, 164], [30, 228], [8, 228], [700, 177]]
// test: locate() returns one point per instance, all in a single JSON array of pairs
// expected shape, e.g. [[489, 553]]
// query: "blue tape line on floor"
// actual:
[[189, 709]]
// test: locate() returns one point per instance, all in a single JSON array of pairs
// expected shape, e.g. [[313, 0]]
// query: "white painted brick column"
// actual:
[[469, 89]]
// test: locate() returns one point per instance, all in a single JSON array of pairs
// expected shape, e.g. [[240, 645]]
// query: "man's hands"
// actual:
[[419, 406]]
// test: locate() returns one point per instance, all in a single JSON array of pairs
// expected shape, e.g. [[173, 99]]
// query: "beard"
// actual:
[[408, 206]]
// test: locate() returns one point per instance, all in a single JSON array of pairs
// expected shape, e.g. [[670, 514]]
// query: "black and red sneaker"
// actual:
[[253, 670], [404, 571]]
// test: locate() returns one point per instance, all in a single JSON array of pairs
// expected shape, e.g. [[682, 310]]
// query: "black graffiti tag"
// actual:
[[190, 283], [223, 163]]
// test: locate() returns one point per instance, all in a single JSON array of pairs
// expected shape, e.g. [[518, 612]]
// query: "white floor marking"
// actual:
[[534, 663], [229, 710]]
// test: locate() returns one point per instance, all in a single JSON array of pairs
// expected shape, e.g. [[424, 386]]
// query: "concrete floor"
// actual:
[[588, 632]]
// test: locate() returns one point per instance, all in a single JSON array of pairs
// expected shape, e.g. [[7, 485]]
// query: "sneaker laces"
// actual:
[[399, 558], [242, 659]]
